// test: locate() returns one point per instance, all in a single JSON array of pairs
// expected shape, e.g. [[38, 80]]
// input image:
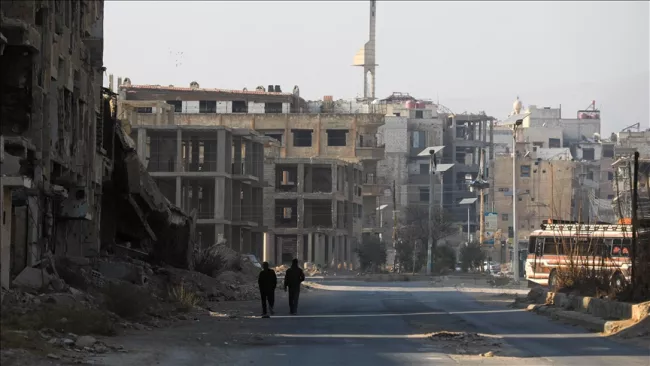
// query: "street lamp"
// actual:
[[515, 238], [469, 202], [431, 152], [442, 168], [381, 220]]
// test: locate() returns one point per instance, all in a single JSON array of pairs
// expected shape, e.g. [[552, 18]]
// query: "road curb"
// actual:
[[586, 321]]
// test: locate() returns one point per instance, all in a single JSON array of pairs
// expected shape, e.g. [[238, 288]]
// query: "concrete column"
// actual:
[[300, 253], [141, 145], [179, 151], [310, 247], [334, 213], [301, 213], [237, 158], [268, 252], [301, 178], [219, 198], [222, 145], [5, 238], [335, 178]]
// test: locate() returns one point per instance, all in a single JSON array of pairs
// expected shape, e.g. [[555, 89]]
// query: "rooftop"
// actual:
[[190, 89]]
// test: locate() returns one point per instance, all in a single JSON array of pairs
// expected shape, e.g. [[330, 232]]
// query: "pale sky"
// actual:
[[471, 56]]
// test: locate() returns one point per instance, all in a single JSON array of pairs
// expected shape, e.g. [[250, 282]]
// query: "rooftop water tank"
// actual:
[[420, 105], [409, 104]]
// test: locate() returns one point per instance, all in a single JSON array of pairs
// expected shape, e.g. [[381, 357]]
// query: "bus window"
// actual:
[[553, 247], [621, 247], [531, 244]]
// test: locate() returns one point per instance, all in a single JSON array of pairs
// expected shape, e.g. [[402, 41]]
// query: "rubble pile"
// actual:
[[281, 270]]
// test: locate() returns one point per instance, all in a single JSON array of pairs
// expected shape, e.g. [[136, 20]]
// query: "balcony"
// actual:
[[370, 153], [373, 186], [371, 224]]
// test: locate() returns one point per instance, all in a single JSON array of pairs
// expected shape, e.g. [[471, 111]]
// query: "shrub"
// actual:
[[184, 298]]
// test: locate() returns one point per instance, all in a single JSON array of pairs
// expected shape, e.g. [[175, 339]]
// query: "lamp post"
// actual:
[[468, 202], [431, 152], [515, 238]]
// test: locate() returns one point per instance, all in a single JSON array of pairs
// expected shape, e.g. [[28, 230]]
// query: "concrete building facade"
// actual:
[[409, 129], [350, 138], [53, 151]]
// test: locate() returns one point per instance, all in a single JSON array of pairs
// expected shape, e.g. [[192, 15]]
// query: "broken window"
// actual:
[[336, 137], [178, 105], [588, 154], [424, 194], [524, 171], [277, 136], [419, 114], [538, 144], [302, 138], [590, 175], [272, 107], [239, 106], [418, 139], [608, 151], [286, 213], [144, 110], [207, 106], [554, 143], [610, 175]]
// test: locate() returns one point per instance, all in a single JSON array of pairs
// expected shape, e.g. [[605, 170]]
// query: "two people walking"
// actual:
[[267, 282]]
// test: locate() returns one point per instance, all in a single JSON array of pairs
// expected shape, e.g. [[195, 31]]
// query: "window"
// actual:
[[524, 171], [302, 138], [588, 154], [538, 144], [610, 175], [178, 105], [336, 137], [504, 217], [424, 168], [419, 114], [417, 139], [207, 106], [504, 189], [590, 175], [424, 194], [145, 110], [554, 143], [239, 106], [277, 136], [610, 196], [608, 151], [272, 107]]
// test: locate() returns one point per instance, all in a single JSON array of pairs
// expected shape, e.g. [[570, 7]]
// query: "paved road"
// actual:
[[378, 324]]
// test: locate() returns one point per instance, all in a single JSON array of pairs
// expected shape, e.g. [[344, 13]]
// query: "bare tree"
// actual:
[[413, 235]]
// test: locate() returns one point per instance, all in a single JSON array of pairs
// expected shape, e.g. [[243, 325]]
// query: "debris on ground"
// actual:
[[466, 343]]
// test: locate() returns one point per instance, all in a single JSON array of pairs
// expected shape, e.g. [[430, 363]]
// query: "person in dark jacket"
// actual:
[[267, 281], [292, 279]]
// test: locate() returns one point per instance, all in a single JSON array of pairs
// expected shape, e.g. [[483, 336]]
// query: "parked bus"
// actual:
[[600, 246]]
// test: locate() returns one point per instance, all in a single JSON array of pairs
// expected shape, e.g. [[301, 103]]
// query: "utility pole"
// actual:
[[481, 227], [394, 217], [515, 237], [432, 172]]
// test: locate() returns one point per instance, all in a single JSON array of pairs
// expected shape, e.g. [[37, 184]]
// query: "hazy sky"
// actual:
[[471, 56]]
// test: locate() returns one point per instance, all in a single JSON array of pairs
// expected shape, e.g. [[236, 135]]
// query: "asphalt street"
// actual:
[[381, 324], [360, 323]]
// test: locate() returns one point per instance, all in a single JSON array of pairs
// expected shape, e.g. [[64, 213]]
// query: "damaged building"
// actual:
[[53, 160], [336, 150], [69, 183]]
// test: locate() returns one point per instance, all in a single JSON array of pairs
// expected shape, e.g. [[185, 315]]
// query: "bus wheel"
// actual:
[[618, 281], [552, 280]]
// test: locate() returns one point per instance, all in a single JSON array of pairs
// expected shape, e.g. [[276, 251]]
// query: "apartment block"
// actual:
[[53, 153], [411, 126], [313, 208], [346, 137]]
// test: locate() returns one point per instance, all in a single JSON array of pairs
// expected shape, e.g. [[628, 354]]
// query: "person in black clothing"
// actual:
[[267, 281], [292, 279]]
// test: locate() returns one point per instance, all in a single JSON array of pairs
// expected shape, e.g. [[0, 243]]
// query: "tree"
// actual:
[[471, 256], [372, 253], [444, 259], [414, 236]]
